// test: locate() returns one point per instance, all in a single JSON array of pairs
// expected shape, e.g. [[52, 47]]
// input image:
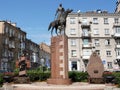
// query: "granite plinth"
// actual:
[[59, 81], [59, 60]]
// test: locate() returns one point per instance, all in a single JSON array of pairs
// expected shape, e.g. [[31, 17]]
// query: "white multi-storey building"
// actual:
[[93, 31]]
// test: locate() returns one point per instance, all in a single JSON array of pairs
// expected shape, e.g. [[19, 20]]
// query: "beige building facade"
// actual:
[[93, 31]]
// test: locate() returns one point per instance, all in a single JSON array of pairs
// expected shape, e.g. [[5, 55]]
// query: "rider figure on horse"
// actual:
[[59, 23], [59, 12]]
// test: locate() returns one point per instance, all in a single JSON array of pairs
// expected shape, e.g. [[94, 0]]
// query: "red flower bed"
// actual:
[[8, 73]]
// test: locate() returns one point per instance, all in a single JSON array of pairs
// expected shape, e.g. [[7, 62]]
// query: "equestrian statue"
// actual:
[[60, 23]]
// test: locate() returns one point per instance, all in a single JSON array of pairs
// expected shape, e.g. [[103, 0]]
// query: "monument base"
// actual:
[[96, 80], [59, 81]]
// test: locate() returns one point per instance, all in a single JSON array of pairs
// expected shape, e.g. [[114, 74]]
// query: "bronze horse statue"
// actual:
[[59, 24]]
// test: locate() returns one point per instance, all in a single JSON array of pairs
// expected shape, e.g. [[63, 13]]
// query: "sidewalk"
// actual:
[[45, 86]]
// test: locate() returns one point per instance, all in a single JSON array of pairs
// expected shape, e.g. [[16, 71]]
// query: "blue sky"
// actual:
[[34, 16]]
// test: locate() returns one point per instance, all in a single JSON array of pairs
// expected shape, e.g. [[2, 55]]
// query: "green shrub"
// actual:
[[1, 80], [117, 77], [16, 72], [78, 76], [38, 75]]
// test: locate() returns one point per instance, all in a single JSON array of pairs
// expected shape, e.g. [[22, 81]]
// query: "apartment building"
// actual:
[[91, 31], [12, 42], [45, 54], [33, 51]]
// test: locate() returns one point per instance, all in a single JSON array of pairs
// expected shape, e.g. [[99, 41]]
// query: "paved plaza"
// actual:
[[45, 86]]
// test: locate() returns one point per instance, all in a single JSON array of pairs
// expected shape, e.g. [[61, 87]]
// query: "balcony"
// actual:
[[85, 57], [88, 46], [85, 24], [12, 37], [118, 57], [86, 35], [117, 46], [116, 35], [21, 40], [116, 24], [11, 47]]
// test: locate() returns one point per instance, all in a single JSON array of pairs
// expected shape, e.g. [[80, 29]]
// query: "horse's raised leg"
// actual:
[[56, 32], [51, 32]]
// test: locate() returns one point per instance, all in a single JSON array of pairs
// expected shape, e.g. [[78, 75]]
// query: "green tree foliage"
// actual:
[[117, 78], [1, 79]]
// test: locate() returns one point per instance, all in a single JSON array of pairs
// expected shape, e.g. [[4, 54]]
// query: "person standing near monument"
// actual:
[[60, 10]]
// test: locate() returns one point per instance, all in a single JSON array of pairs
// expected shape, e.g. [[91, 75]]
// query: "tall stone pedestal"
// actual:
[[59, 61]]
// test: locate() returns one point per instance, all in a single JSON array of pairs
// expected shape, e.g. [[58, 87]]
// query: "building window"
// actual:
[[87, 52], [96, 31], [98, 52], [72, 31], [73, 53], [5, 52], [118, 41], [22, 45], [105, 20], [85, 41], [85, 62], [6, 41], [72, 20], [118, 51], [19, 35], [73, 42], [10, 32], [107, 31], [96, 42], [108, 53], [95, 20], [109, 64], [24, 37], [116, 20], [107, 42], [6, 30], [74, 65], [85, 32], [117, 30], [84, 21]]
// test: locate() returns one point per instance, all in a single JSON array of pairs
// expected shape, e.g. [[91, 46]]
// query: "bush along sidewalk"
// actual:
[[117, 78], [76, 76], [1, 79], [35, 75]]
